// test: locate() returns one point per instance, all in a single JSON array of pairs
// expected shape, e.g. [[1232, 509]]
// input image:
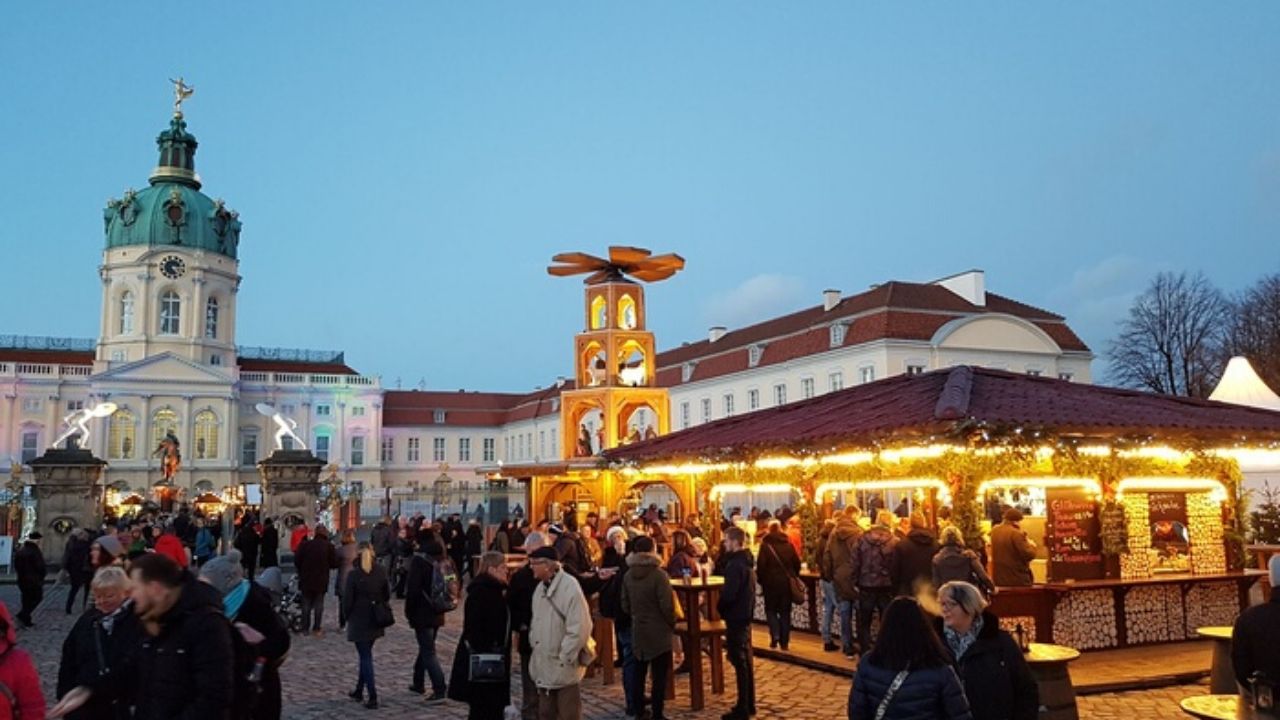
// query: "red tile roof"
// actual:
[[468, 409], [956, 402], [46, 357], [894, 310]]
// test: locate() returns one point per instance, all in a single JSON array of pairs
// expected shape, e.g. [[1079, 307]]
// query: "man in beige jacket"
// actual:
[[559, 634]]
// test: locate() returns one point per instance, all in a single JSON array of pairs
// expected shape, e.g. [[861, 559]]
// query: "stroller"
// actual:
[[287, 602]]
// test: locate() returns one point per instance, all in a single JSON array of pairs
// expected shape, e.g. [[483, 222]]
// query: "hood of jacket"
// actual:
[[845, 529], [921, 536], [642, 565], [878, 535]]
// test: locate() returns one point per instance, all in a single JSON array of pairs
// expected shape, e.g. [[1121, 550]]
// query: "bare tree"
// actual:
[[1255, 329], [1173, 338]]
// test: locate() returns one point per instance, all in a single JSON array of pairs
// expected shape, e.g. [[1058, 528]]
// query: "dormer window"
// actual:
[[836, 334], [754, 353], [686, 371], [438, 417]]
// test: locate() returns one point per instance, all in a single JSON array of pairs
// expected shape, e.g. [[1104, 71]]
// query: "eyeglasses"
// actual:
[[949, 605]]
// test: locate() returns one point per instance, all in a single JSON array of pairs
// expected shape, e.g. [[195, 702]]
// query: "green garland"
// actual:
[[965, 470]]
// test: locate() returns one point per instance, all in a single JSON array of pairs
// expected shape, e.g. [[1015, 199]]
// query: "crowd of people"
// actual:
[[177, 629]]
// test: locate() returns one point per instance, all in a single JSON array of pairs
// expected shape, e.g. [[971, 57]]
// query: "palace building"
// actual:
[[166, 356]]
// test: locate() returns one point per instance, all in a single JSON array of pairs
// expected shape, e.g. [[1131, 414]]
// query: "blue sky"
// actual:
[[405, 170]]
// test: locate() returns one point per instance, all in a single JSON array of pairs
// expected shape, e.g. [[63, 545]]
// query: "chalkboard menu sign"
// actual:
[[1072, 535], [1168, 513]]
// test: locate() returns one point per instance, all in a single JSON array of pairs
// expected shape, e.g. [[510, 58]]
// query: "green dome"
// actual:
[[173, 211]]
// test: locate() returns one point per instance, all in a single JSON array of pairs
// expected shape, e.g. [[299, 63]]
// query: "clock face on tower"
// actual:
[[172, 267]]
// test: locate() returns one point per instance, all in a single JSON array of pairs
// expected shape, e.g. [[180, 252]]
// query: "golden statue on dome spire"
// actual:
[[181, 91]]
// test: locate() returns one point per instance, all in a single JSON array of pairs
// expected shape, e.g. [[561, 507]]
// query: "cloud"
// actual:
[[757, 298], [1096, 297]]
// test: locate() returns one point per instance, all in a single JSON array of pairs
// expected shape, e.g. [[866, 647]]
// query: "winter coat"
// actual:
[[737, 600], [359, 594], [927, 694], [561, 627], [475, 540], [485, 619], [995, 676], [776, 563], [796, 538], [247, 542], [820, 552], [573, 554], [383, 539], [1255, 641], [520, 587], [204, 543], [346, 558], [873, 560], [18, 673], [80, 665], [957, 563], [75, 560], [186, 671], [269, 549], [839, 552], [913, 560], [681, 561], [647, 598], [417, 594], [257, 613], [28, 564], [297, 536], [1011, 555], [314, 559], [501, 543]]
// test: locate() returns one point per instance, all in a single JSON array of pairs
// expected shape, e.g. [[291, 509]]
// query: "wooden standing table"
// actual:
[[1222, 680], [694, 628], [1218, 707], [1057, 694]]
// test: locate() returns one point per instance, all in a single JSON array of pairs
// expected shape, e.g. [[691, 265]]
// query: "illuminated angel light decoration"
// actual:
[[78, 422], [284, 426]]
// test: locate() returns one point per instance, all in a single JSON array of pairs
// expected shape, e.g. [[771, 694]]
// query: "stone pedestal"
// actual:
[[290, 485], [68, 496]]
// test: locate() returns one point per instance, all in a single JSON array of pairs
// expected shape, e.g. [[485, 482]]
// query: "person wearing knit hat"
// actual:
[[109, 549], [248, 606], [1255, 639]]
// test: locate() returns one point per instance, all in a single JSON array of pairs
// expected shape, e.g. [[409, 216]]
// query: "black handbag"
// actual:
[[489, 667], [382, 615]]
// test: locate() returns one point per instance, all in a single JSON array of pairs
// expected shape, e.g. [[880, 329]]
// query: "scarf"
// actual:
[[961, 642], [232, 601]]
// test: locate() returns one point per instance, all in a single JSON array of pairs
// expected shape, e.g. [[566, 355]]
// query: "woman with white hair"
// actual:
[[955, 562], [991, 667], [96, 648]]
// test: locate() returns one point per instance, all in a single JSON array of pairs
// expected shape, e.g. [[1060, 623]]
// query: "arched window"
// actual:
[[598, 311], [627, 313], [170, 313], [126, 313], [211, 318], [162, 423], [206, 431], [122, 435]]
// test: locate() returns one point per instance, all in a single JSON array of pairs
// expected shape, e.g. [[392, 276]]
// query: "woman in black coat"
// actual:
[[112, 626], [366, 586], [486, 628], [993, 670], [776, 564]]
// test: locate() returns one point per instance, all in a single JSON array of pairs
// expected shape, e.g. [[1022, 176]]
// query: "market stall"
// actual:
[[1132, 499]]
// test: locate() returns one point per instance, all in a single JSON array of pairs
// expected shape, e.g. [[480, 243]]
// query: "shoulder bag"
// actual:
[[489, 667], [797, 585], [888, 696]]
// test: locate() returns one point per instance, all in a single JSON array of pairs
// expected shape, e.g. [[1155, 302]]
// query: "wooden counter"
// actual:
[[1096, 614]]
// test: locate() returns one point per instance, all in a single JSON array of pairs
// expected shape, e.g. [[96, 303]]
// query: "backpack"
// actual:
[[876, 562], [445, 587]]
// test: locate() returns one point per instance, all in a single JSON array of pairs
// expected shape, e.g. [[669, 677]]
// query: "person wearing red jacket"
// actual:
[[172, 547], [299, 534], [18, 675]]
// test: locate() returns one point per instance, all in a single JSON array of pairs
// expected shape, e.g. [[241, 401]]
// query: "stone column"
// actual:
[[291, 485], [68, 494]]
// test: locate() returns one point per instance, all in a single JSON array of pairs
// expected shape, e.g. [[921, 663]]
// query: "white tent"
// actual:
[[1240, 385]]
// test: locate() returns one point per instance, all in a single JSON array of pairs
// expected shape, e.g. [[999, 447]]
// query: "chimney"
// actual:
[[971, 286], [830, 299], [559, 381], [716, 333]]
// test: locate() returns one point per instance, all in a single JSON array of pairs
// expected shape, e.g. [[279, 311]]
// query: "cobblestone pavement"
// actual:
[[321, 670]]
